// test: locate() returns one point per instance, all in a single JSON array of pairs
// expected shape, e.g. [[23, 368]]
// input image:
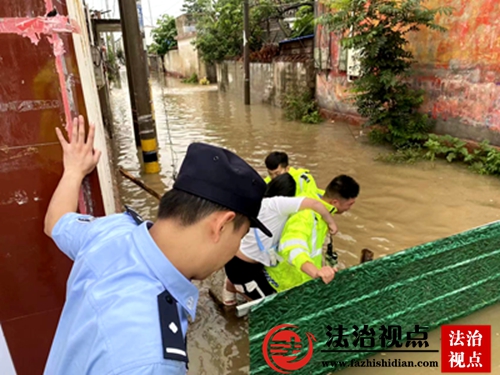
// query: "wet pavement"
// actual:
[[399, 206]]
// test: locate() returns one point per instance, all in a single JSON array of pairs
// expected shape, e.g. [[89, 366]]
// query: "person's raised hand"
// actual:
[[79, 156]]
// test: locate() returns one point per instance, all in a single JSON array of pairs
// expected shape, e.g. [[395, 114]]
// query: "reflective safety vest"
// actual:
[[306, 185], [301, 241]]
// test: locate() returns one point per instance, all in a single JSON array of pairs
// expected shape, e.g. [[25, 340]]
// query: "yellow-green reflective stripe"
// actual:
[[290, 243], [314, 233], [316, 252]]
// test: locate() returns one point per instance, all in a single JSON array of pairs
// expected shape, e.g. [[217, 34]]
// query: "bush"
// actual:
[[299, 105], [112, 68], [377, 30], [163, 35], [192, 79], [219, 27], [484, 159]]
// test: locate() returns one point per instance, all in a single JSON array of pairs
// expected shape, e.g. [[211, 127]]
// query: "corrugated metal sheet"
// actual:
[[429, 285]]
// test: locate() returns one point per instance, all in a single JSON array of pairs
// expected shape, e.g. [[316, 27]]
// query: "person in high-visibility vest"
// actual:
[[301, 244], [245, 272], [277, 164]]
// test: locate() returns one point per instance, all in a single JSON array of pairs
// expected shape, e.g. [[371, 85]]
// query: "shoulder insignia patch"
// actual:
[[86, 219], [137, 218]]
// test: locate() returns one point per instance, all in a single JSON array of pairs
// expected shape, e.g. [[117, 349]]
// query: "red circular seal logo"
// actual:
[[281, 347]]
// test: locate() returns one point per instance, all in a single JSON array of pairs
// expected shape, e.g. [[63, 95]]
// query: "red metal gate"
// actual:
[[40, 89]]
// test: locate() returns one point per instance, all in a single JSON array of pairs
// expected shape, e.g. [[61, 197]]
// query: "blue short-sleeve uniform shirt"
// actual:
[[110, 321]]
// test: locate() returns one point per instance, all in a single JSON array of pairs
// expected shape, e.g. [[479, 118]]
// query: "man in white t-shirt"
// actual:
[[245, 271]]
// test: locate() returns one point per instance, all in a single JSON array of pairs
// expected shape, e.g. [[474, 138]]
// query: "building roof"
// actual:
[[297, 39]]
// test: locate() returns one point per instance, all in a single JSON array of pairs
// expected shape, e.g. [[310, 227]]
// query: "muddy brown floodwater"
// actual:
[[400, 206]]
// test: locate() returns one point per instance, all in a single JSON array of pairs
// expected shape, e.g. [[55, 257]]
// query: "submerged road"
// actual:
[[400, 206]]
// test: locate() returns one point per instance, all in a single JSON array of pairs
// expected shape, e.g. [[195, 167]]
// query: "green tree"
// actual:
[[219, 30], [384, 95], [164, 35], [219, 25], [196, 7], [304, 22]]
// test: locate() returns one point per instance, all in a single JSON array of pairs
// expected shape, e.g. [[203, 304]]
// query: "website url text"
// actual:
[[380, 363]]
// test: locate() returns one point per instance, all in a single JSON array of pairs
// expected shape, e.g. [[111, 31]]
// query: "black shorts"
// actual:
[[248, 278]]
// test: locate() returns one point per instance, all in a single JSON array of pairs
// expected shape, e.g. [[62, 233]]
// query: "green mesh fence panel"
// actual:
[[429, 285]]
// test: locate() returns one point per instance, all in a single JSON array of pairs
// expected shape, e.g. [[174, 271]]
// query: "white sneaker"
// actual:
[[228, 298]]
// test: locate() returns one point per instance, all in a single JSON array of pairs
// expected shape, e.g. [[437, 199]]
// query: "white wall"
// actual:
[[147, 32], [184, 60]]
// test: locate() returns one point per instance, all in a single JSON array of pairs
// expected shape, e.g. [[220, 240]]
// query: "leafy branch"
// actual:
[[383, 93]]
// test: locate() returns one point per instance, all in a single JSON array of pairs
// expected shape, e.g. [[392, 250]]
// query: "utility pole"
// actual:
[[130, 81], [142, 24], [140, 92], [246, 50], [142, 28]]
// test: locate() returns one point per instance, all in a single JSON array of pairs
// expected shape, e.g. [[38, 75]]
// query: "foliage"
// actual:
[[163, 35], [483, 159], [120, 56], [299, 105], [219, 25], [192, 79], [313, 116], [111, 65], [378, 30], [304, 22], [445, 146], [196, 7]]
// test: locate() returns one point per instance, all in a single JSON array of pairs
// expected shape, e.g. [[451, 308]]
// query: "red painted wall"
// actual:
[[38, 91], [459, 69]]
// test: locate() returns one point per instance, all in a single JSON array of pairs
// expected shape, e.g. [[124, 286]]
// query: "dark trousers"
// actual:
[[248, 278]]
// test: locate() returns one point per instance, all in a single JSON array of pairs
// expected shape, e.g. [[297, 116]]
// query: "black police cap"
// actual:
[[222, 177]]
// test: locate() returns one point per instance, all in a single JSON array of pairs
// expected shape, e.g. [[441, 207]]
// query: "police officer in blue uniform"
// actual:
[[129, 293]]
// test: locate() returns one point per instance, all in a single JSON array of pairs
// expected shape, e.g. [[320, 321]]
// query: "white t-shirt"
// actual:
[[274, 213]]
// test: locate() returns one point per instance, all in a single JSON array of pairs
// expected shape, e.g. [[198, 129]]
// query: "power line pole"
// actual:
[[131, 90], [246, 50], [140, 92]]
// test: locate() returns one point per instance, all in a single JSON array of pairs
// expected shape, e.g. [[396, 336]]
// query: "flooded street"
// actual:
[[399, 206]]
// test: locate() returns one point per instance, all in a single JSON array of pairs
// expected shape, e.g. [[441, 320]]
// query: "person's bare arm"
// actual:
[[326, 273], [313, 204], [79, 159]]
